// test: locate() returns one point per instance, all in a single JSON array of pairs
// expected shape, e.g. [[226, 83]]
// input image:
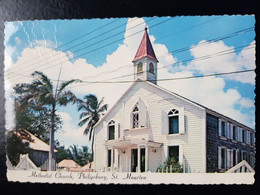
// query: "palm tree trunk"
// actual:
[[51, 152], [92, 146]]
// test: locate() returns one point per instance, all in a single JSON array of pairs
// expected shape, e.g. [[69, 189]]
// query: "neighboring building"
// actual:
[[148, 124], [38, 150], [68, 165], [88, 167]]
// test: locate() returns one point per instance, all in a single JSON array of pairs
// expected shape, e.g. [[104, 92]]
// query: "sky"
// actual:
[[97, 50]]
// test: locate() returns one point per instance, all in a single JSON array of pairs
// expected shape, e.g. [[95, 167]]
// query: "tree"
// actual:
[[15, 145], [42, 93], [62, 154], [36, 121], [80, 156], [92, 110]]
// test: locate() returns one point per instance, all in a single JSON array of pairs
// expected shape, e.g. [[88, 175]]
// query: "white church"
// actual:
[[148, 124]]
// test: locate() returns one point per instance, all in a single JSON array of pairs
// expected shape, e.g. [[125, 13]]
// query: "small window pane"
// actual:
[[111, 132], [174, 152], [223, 158], [151, 68], [173, 124], [140, 67], [223, 129]]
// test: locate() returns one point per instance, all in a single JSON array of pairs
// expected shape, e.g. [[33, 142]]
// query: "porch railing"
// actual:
[[241, 167]]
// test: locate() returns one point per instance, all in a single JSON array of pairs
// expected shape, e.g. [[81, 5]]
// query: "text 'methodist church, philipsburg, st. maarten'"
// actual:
[[148, 124]]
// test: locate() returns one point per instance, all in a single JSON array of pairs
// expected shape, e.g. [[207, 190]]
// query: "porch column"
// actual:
[[146, 158], [120, 161], [138, 159], [112, 159]]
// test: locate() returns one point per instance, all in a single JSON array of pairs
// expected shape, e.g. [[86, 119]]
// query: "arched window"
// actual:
[[151, 68], [173, 121], [140, 67], [135, 116], [111, 130]]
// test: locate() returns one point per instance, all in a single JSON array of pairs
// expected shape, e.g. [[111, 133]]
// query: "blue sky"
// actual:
[[110, 44]]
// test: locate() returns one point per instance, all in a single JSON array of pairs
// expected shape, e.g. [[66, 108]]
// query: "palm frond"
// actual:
[[66, 97], [65, 84], [103, 108], [83, 121], [44, 79], [83, 114]]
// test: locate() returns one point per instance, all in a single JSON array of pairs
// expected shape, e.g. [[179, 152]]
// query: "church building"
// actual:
[[150, 124]]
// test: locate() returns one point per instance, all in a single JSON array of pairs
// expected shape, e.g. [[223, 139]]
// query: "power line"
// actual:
[[186, 48], [217, 54], [69, 42], [169, 79], [102, 41], [225, 52]]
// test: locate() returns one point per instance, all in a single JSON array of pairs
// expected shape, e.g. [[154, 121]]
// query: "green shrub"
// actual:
[[170, 162]]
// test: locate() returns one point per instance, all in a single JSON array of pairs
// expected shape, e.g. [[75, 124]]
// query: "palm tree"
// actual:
[[42, 93], [80, 156], [92, 110]]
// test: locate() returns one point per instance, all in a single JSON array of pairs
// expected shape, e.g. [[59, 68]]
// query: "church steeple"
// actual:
[[145, 48], [145, 61]]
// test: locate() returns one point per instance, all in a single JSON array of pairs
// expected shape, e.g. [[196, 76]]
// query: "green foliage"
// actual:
[[62, 154], [91, 111], [15, 146], [80, 156], [170, 162], [41, 94], [36, 121]]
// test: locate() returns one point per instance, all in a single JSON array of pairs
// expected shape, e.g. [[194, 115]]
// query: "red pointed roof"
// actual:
[[145, 48]]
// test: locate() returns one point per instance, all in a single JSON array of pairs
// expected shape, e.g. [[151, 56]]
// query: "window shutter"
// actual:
[[231, 131], [118, 130], [142, 113], [219, 157], [248, 137], [219, 127], [239, 134], [165, 122], [181, 121], [227, 130], [253, 140]]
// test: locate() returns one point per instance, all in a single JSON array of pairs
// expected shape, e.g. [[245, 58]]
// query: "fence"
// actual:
[[45, 165]]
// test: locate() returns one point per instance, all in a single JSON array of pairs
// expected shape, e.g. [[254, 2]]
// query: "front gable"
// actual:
[[150, 98]]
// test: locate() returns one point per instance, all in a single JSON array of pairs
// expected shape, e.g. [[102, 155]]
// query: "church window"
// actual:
[[135, 115], [173, 121], [111, 130], [140, 67], [151, 68]]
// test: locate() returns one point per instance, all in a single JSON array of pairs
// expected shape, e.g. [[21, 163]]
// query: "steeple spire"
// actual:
[[145, 61], [145, 48]]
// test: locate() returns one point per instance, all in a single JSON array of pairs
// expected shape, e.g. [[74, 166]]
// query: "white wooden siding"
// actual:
[[159, 103]]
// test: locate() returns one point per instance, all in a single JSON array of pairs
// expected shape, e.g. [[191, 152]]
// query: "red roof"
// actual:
[[145, 48]]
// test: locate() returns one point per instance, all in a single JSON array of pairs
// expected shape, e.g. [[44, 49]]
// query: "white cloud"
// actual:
[[222, 58], [71, 134], [206, 91]]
